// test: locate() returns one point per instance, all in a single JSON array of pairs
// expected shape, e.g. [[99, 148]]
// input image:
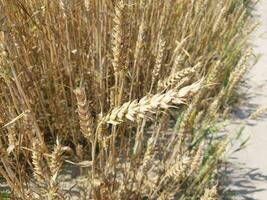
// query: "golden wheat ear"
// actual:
[[86, 119], [176, 78], [134, 110], [210, 194]]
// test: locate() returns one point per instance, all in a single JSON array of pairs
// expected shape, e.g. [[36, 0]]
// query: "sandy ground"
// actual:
[[248, 168]]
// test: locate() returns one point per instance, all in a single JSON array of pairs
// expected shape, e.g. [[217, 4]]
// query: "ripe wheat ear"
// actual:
[[134, 110]]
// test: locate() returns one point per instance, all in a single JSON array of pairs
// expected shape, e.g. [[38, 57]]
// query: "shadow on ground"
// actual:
[[242, 180]]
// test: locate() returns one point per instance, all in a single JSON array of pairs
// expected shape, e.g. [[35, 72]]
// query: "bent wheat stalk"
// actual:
[[134, 110]]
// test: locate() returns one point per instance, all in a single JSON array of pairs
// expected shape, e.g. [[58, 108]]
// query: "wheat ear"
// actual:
[[37, 163], [196, 160], [56, 159], [220, 17], [117, 36], [160, 53], [238, 72], [175, 173], [210, 194], [176, 78], [86, 119], [259, 112], [55, 164], [177, 170], [148, 155], [135, 110]]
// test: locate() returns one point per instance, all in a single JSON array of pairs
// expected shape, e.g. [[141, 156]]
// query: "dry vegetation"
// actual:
[[128, 91]]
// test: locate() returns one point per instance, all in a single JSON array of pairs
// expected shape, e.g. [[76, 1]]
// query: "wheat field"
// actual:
[[131, 93]]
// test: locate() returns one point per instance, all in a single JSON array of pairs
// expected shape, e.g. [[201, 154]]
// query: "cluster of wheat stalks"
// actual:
[[129, 91]]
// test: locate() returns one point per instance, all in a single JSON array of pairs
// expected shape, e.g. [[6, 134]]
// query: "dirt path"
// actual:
[[248, 168]]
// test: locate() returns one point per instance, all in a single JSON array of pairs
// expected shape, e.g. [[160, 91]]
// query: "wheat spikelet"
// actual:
[[134, 110], [210, 194], [86, 120], [174, 79]]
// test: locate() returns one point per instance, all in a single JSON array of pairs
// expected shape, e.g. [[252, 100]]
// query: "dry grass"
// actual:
[[129, 91]]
